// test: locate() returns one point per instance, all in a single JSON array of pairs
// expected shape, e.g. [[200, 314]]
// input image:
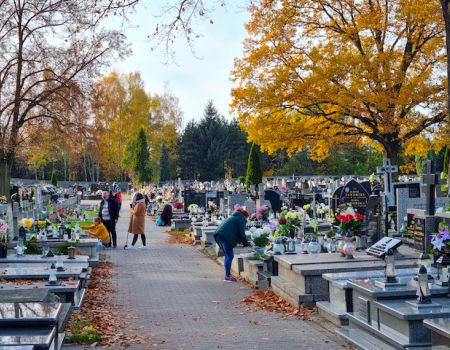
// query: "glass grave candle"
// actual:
[[20, 247], [60, 263], [52, 279], [389, 268]]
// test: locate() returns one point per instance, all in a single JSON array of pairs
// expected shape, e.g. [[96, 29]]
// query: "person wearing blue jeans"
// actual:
[[231, 232]]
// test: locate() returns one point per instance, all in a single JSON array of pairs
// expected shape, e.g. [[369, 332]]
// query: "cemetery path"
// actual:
[[175, 294]]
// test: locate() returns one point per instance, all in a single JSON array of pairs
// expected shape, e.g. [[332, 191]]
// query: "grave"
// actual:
[[68, 291], [300, 279], [352, 193], [207, 237], [393, 324], [420, 226], [405, 202], [340, 292], [84, 246], [440, 332], [180, 224], [34, 324]]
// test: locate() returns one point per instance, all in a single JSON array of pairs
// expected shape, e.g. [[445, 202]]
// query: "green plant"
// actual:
[[32, 248], [181, 232], [54, 179], [63, 249], [83, 332], [257, 256], [330, 234], [254, 172], [262, 240]]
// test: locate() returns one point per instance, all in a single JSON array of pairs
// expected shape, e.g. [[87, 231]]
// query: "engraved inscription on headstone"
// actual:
[[363, 309], [355, 194]]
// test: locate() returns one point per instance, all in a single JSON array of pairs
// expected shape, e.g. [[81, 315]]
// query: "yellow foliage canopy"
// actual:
[[318, 73]]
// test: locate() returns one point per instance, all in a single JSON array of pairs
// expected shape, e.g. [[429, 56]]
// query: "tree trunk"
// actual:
[[5, 176], [446, 12]]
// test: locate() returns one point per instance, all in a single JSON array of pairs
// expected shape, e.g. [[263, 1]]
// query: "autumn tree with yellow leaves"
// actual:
[[121, 108], [319, 73]]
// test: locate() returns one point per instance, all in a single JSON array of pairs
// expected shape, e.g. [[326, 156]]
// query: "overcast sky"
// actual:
[[194, 81]]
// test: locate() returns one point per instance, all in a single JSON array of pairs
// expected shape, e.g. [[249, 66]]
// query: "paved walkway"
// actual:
[[177, 296]]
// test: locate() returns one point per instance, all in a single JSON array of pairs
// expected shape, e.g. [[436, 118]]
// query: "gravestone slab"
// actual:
[[29, 314], [440, 332], [420, 228], [380, 248], [405, 202]]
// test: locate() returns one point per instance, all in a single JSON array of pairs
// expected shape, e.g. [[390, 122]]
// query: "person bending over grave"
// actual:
[[166, 215], [98, 230], [231, 232]]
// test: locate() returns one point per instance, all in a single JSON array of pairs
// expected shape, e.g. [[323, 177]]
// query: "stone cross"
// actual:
[[432, 187], [387, 170]]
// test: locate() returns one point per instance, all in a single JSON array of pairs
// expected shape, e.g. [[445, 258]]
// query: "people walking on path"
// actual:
[[137, 221], [109, 213], [228, 235]]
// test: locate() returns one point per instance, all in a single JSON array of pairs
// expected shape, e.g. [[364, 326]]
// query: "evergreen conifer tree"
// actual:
[[254, 173], [54, 179], [138, 159], [164, 174]]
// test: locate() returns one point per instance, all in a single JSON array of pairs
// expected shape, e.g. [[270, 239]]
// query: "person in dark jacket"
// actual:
[[228, 235], [166, 215], [109, 213]]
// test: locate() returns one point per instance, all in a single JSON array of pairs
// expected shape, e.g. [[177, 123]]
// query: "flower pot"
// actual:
[[259, 250], [278, 248], [3, 251]]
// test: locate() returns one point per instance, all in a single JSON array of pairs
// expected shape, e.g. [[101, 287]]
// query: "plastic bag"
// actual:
[[159, 221]]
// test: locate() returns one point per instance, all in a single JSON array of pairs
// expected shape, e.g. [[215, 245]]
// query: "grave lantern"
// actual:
[[443, 270], [389, 268], [52, 279], [71, 252], [423, 291], [60, 263], [45, 249], [62, 230], [20, 248]]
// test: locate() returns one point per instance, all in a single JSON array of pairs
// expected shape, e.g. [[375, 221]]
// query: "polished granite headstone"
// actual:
[[300, 279], [29, 314], [39, 273], [391, 315], [340, 291]]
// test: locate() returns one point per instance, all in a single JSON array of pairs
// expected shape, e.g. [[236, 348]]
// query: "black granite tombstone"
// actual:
[[352, 193]]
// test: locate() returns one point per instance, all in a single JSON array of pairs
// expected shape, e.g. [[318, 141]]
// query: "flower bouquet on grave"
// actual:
[[309, 209], [293, 222], [440, 241], [3, 239], [350, 221], [262, 213]]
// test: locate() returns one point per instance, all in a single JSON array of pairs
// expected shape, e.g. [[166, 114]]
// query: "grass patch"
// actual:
[[83, 332]]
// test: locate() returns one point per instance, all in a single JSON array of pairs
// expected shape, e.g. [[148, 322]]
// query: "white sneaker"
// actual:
[[130, 247], [144, 247]]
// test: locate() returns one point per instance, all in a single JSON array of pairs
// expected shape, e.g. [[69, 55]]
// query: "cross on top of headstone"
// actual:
[[387, 170], [432, 187]]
